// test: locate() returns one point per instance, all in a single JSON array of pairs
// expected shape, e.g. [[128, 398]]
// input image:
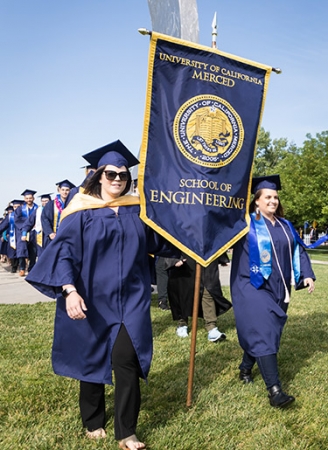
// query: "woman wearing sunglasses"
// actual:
[[98, 269]]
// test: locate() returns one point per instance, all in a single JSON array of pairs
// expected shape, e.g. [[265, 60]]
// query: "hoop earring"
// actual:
[[257, 212]]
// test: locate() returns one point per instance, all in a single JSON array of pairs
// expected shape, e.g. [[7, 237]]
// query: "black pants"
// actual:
[[32, 253], [22, 263], [127, 391], [268, 366], [161, 280]]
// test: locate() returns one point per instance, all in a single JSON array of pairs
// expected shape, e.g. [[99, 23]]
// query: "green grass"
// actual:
[[319, 254], [39, 410]]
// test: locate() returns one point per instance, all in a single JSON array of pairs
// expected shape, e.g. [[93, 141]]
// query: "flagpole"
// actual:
[[197, 290], [214, 31], [194, 334]]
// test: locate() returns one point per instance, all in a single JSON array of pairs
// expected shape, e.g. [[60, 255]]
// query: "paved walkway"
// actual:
[[14, 289]]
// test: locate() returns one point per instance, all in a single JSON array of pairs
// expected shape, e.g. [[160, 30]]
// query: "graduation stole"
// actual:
[[38, 226], [26, 211], [58, 209], [82, 201], [12, 239], [260, 251]]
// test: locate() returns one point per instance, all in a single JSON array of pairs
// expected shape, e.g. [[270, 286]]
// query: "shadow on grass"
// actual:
[[168, 379], [303, 336]]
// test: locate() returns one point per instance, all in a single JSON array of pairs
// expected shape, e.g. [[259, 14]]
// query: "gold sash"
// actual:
[[82, 201]]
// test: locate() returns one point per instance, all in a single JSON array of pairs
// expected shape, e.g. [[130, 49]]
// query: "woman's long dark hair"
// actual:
[[93, 187], [252, 206]]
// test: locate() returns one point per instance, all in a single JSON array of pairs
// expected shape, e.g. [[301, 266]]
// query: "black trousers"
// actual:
[[127, 392], [161, 280], [268, 366]]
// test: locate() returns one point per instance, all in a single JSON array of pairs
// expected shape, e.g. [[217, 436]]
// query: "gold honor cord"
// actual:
[[81, 202]]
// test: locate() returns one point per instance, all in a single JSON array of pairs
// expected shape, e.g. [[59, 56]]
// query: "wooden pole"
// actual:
[[194, 334]]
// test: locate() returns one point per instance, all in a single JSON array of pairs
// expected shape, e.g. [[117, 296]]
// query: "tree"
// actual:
[[303, 173], [268, 153]]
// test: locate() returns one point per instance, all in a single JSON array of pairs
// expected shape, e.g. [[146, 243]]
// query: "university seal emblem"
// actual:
[[208, 131], [265, 256]]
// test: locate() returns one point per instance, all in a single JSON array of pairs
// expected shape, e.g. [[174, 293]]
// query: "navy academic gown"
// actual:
[[21, 246], [47, 221], [28, 226], [106, 257], [261, 313], [4, 226], [3, 242]]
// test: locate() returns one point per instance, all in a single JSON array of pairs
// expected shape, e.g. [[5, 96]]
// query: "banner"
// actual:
[[203, 111]]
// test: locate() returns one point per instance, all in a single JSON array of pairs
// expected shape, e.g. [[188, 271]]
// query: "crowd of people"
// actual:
[[88, 249]]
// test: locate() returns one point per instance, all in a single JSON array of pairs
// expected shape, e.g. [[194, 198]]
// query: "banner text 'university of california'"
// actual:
[[202, 117]]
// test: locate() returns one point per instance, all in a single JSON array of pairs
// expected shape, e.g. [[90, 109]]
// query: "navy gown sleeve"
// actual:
[[60, 263], [29, 222], [159, 246], [47, 218], [4, 224]]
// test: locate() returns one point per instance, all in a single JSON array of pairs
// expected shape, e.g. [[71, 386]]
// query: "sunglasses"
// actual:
[[111, 175]]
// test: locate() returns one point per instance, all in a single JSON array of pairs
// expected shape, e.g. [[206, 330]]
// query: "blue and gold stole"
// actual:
[[12, 238], [26, 211], [260, 251]]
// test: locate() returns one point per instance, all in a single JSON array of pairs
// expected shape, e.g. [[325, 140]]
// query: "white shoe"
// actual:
[[182, 331], [215, 335]]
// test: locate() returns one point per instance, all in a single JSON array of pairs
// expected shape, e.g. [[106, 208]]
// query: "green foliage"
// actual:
[[268, 153], [303, 172], [39, 410]]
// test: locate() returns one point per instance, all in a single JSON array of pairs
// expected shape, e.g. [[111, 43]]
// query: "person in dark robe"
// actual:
[[265, 264], [8, 227], [89, 171], [98, 269], [51, 213], [25, 247], [3, 243], [162, 278], [33, 222], [4, 234], [181, 287]]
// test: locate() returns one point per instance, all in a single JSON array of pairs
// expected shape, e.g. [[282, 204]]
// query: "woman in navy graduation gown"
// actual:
[[100, 260], [264, 264]]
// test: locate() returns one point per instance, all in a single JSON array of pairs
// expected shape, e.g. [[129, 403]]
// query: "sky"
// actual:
[[73, 77]]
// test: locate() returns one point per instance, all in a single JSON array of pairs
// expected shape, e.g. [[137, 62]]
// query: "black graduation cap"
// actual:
[[266, 182], [18, 202], [114, 153], [28, 192], [65, 183], [44, 196], [9, 208]]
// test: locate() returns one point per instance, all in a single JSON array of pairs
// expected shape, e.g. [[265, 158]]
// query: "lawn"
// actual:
[[319, 254], [39, 410]]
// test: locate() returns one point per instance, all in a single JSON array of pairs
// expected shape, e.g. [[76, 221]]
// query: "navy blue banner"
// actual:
[[202, 117]]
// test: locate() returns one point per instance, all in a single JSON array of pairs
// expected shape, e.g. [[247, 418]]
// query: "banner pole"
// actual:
[[193, 334]]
